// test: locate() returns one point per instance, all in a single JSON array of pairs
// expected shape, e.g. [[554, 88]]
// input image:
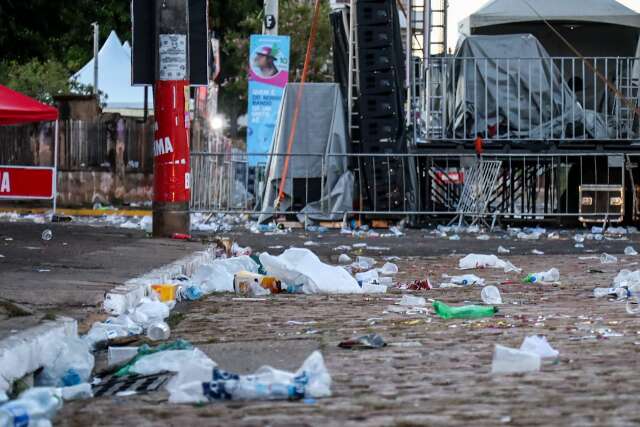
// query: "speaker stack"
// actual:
[[381, 104]]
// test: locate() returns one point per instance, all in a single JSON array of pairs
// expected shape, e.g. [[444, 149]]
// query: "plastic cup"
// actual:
[[491, 295]]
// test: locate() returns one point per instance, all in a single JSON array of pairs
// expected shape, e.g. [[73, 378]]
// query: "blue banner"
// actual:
[[268, 75]]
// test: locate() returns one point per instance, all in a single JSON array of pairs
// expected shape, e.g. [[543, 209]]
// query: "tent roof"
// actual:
[[17, 108], [499, 12], [114, 76]]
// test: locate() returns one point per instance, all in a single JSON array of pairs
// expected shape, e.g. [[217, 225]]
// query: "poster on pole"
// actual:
[[268, 75]]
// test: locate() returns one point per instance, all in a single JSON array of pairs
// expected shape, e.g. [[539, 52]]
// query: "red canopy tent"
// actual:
[[16, 108]]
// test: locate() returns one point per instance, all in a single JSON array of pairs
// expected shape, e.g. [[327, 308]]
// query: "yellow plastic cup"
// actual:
[[166, 291]]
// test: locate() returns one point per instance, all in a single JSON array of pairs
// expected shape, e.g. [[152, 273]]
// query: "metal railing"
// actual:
[[528, 186], [552, 98]]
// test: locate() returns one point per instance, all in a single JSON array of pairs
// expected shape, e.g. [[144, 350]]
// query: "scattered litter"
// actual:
[[616, 230], [406, 344], [72, 365], [605, 258], [311, 243], [466, 280], [388, 269], [343, 248], [454, 237], [301, 323], [47, 235], [276, 247], [491, 295], [503, 250], [537, 252], [539, 345], [579, 238], [364, 342], [299, 268], [550, 276], [412, 301], [578, 245], [416, 285], [554, 235], [364, 263], [119, 355], [312, 380], [130, 385], [483, 237], [472, 261], [630, 251], [464, 312], [359, 245], [35, 406], [511, 361]]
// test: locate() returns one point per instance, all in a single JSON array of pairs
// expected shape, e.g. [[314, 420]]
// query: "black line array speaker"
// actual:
[[381, 105]]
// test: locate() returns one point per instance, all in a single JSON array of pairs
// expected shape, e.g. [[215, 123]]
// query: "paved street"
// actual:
[[434, 371]]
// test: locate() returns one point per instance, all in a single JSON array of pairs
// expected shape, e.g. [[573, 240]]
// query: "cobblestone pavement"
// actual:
[[434, 371]]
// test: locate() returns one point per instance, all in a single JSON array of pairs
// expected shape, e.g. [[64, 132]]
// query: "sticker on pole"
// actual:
[[173, 56], [26, 182]]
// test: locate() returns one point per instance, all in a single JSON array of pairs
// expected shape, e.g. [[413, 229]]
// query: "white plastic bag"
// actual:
[[472, 261], [312, 380], [217, 276], [71, 366], [298, 266], [149, 312]]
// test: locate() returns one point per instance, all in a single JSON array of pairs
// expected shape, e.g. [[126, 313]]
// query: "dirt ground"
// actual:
[[434, 371]]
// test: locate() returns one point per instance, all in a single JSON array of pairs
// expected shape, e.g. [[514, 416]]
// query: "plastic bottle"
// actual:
[[464, 312], [550, 276], [158, 331], [621, 292], [47, 235], [34, 407]]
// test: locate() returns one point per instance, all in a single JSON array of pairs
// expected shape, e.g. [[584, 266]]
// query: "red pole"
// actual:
[[171, 172]]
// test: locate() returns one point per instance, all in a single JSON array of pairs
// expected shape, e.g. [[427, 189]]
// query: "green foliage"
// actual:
[[244, 18], [46, 41]]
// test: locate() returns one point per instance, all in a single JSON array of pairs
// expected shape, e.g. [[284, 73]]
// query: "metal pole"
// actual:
[[55, 170], [270, 21], [96, 49], [171, 168]]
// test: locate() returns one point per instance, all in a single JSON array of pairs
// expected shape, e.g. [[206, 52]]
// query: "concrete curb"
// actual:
[[28, 350]]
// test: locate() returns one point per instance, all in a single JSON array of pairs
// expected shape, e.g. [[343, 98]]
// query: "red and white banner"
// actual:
[[26, 182]]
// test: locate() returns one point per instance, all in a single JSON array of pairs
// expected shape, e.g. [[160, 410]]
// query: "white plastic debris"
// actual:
[[342, 248], [483, 237], [158, 331], [364, 263], [579, 238], [367, 276], [605, 258], [466, 280], [388, 269], [114, 327], [503, 250], [344, 259], [412, 301], [119, 355], [454, 237], [491, 295], [34, 407], [298, 266], [510, 361], [616, 230], [72, 365], [539, 345], [217, 276], [149, 311], [528, 236], [312, 380], [537, 252], [630, 251], [472, 261], [373, 288]]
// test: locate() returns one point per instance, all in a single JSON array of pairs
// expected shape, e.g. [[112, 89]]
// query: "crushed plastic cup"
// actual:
[[605, 258], [503, 250], [365, 263], [344, 259], [491, 295], [633, 306], [537, 344], [412, 301], [47, 235], [388, 269], [119, 355], [512, 361], [630, 251], [158, 331]]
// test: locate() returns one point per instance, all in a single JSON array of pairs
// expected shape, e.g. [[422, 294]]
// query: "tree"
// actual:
[[239, 21]]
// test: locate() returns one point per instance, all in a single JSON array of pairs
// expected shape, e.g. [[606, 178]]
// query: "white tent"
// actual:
[[500, 12], [114, 78]]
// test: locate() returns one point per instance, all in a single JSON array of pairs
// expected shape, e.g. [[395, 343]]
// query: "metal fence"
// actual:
[[528, 186], [554, 98]]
